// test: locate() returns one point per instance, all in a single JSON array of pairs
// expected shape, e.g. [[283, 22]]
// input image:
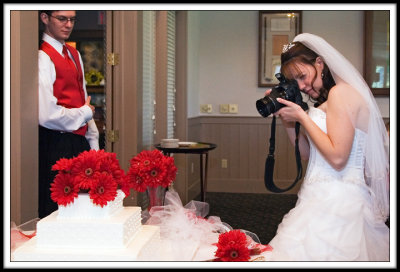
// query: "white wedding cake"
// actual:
[[83, 231]]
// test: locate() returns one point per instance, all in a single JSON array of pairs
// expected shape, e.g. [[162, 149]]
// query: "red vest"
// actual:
[[68, 87]]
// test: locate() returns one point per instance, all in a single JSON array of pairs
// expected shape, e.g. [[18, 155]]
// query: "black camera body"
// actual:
[[286, 89]]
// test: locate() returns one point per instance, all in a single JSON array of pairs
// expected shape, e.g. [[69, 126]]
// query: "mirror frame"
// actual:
[[271, 49], [368, 53]]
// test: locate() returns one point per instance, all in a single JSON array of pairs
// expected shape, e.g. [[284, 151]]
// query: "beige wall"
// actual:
[[223, 54]]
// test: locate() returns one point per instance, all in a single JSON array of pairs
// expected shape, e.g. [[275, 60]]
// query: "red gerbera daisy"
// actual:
[[145, 159], [155, 175], [151, 169], [63, 164], [135, 180], [124, 185], [233, 253], [64, 189], [232, 237], [84, 168], [232, 246], [109, 163], [103, 190], [171, 171]]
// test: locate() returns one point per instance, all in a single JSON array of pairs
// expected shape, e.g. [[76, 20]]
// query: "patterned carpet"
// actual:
[[258, 213]]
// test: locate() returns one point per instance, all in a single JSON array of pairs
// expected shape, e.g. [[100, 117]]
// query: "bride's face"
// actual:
[[305, 74]]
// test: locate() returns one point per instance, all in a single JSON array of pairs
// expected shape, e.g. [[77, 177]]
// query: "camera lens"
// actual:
[[266, 106]]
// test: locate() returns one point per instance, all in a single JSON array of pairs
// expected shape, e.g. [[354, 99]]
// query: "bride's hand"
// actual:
[[292, 112], [267, 92]]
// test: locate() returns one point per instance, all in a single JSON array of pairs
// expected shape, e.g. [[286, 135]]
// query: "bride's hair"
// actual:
[[300, 53]]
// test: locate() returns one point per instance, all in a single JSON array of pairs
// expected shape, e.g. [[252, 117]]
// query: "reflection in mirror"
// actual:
[[377, 58], [276, 29]]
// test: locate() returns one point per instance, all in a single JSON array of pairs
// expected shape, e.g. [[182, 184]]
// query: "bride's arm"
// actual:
[[335, 145]]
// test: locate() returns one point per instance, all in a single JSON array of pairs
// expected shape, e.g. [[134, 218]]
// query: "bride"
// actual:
[[344, 199]]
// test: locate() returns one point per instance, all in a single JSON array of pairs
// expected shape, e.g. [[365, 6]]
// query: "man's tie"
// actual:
[[66, 56]]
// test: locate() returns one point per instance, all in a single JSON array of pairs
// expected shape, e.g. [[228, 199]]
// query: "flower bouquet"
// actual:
[[95, 172], [151, 172]]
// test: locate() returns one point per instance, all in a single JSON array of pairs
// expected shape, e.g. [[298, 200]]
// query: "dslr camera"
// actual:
[[286, 89]]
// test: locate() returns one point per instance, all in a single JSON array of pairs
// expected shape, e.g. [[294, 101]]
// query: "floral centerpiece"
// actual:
[[95, 172], [151, 172], [236, 246]]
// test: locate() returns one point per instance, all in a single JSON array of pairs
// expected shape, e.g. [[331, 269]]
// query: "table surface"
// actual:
[[188, 147]]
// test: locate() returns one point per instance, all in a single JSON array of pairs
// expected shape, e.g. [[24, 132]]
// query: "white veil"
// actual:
[[377, 143]]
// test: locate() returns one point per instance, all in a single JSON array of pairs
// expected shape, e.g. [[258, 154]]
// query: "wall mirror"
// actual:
[[276, 28], [377, 54]]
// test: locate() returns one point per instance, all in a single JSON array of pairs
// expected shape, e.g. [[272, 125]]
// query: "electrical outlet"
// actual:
[[224, 108], [233, 108], [224, 163], [206, 108]]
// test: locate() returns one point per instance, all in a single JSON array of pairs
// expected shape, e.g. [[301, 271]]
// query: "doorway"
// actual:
[[88, 37]]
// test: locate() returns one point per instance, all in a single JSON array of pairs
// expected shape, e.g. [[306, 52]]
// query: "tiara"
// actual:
[[286, 47]]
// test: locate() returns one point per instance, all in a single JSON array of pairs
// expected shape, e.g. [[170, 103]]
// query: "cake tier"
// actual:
[[83, 207], [146, 246], [110, 232]]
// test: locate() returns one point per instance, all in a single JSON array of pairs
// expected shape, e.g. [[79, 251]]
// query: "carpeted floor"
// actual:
[[258, 213]]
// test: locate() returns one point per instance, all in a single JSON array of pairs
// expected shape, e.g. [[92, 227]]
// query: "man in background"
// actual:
[[66, 125]]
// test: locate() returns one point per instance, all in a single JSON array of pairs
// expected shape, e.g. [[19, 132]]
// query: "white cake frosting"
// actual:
[[146, 246], [83, 207], [114, 231], [83, 231]]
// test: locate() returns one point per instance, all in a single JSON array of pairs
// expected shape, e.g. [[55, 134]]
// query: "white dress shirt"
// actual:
[[57, 117]]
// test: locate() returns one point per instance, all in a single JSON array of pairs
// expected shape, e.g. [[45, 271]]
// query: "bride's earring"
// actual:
[[322, 75]]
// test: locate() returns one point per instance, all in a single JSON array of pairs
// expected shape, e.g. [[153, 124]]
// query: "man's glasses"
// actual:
[[64, 19]]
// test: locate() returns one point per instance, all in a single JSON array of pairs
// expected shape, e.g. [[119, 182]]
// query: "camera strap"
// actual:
[[270, 162]]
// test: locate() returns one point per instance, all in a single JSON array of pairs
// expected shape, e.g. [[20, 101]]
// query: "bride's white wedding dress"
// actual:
[[333, 218]]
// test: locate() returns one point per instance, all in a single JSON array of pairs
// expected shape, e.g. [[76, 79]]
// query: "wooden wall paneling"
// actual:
[[234, 157], [194, 131], [281, 169], [253, 150], [244, 142], [264, 133], [215, 136], [193, 176], [244, 151], [223, 140]]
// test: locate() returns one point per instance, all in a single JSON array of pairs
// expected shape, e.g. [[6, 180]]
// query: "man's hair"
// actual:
[[48, 12]]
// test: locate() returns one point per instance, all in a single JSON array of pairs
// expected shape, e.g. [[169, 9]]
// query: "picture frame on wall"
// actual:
[[276, 28]]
